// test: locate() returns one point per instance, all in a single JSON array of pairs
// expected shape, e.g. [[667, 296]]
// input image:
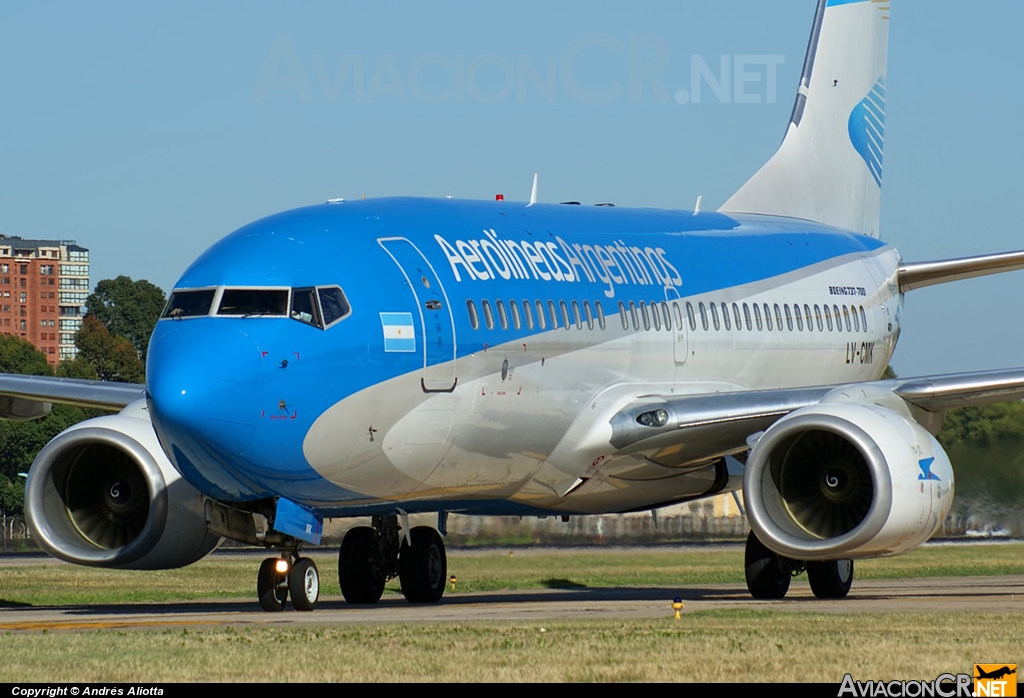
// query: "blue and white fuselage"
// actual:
[[477, 350]]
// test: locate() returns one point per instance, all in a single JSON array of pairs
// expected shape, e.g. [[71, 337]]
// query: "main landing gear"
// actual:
[[289, 574], [769, 574], [369, 557]]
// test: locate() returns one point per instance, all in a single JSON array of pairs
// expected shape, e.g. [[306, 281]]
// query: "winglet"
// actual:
[[533, 193], [829, 166]]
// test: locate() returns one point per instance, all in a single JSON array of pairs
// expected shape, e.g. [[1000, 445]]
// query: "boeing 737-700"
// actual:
[[380, 358]]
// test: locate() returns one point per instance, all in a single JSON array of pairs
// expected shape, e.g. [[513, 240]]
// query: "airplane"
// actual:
[[386, 357], [996, 674]]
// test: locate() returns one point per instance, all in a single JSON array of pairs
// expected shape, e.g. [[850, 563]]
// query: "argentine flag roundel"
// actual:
[[399, 333]]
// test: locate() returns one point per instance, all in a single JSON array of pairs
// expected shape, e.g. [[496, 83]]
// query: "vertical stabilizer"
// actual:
[[829, 166]]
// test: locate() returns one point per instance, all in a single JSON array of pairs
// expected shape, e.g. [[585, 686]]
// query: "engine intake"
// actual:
[[102, 493], [838, 481]]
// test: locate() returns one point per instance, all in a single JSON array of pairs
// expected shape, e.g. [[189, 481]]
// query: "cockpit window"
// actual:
[[249, 302], [189, 303], [320, 307], [333, 304], [304, 306]]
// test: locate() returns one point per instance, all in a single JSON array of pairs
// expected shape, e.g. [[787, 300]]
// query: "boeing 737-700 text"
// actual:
[[387, 357]]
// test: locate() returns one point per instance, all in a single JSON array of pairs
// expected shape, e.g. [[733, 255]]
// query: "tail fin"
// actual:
[[829, 166]]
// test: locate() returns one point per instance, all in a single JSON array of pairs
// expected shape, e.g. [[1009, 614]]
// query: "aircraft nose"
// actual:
[[205, 388]]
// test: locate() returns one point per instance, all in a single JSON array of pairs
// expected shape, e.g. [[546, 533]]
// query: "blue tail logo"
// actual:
[[867, 129]]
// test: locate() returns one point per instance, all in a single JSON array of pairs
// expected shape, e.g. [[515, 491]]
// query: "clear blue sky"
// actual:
[[146, 131]]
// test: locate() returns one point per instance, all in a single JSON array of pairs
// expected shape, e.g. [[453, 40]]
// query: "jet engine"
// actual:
[[103, 493], [839, 481]]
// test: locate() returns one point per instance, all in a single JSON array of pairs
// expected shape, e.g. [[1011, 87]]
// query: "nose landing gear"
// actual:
[[289, 573]]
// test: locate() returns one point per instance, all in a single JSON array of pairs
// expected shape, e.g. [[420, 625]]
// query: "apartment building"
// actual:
[[43, 288]]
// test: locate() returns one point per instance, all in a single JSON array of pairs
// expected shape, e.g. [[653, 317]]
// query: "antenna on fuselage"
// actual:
[[533, 192]]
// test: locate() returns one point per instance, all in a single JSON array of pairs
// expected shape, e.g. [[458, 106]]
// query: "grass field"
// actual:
[[729, 645], [736, 646]]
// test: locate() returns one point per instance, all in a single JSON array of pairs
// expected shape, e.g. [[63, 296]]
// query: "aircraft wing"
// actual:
[[29, 397], [697, 428]]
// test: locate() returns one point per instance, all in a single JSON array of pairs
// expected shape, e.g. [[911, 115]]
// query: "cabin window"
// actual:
[[528, 314], [655, 317], [588, 314], [187, 303], [839, 322], [767, 317], [632, 312], [488, 315], [554, 314], [846, 318], [863, 319], [600, 314], [810, 319], [746, 315], [253, 302], [817, 316], [736, 316], [474, 319], [757, 317], [726, 321], [666, 316], [689, 314], [856, 320], [513, 308], [828, 319], [565, 314], [703, 316], [799, 317], [714, 317], [645, 316], [502, 316], [623, 316], [576, 315], [541, 318]]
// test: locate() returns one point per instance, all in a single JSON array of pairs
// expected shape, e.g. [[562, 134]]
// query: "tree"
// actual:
[[113, 358], [128, 309], [20, 442], [19, 356]]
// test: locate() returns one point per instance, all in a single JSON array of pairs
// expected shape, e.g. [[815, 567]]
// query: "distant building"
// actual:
[[43, 288]]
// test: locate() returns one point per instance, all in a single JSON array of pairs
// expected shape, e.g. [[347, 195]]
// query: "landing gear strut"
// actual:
[[289, 573], [369, 557]]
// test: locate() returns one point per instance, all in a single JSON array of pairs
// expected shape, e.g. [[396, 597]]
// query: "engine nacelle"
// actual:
[[103, 493], [837, 481]]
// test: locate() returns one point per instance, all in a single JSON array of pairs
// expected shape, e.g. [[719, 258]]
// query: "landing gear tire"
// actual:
[[423, 566], [832, 579], [768, 574], [271, 586], [361, 581], [304, 584]]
